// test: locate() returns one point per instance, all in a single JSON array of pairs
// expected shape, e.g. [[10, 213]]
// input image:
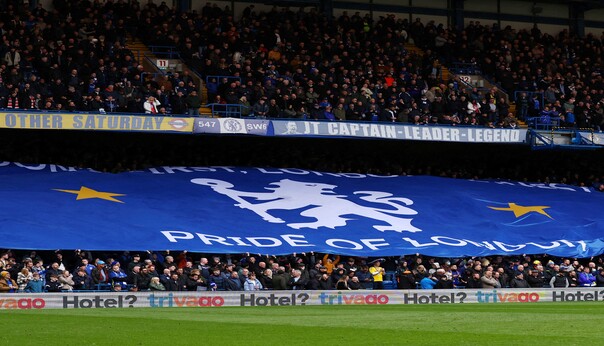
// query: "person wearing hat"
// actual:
[[406, 280], [7, 285], [518, 281], [100, 275], [560, 279], [136, 260]]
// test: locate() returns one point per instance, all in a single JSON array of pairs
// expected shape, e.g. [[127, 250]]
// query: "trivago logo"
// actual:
[[23, 303], [497, 297], [353, 299], [187, 301]]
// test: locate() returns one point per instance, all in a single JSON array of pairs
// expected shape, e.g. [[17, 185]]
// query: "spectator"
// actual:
[[260, 109], [534, 279], [474, 280], [66, 280], [586, 278], [518, 281], [406, 280], [151, 105], [354, 283], [142, 279], [193, 102], [195, 282], [266, 279], [117, 276], [156, 285], [7, 285], [428, 282], [82, 280], [53, 284], [175, 284], [296, 282], [600, 278], [252, 283], [35, 285], [280, 280], [324, 282], [218, 279], [342, 283], [443, 281], [378, 275], [559, 280], [330, 262], [246, 107], [23, 278], [53, 270], [488, 281]]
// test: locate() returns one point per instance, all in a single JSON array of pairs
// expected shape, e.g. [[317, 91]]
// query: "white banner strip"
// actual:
[[162, 299]]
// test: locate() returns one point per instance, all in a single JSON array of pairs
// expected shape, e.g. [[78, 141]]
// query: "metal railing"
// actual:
[[227, 110], [530, 95], [219, 79], [465, 68], [543, 122], [166, 52]]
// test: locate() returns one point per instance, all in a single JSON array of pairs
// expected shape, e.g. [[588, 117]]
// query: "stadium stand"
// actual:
[[76, 58]]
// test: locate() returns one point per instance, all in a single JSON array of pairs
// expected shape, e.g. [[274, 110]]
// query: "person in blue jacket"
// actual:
[[35, 285], [427, 283]]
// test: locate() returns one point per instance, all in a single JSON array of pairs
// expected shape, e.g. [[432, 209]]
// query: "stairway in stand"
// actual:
[[141, 52], [412, 48], [446, 75], [139, 49]]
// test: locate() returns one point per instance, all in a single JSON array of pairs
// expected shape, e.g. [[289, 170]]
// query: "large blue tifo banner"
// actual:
[[282, 211]]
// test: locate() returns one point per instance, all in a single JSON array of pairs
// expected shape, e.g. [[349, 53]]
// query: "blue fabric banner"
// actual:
[[281, 211]]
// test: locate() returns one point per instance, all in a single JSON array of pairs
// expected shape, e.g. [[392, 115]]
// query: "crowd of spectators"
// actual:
[[183, 271], [74, 57], [557, 76], [305, 65], [293, 64]]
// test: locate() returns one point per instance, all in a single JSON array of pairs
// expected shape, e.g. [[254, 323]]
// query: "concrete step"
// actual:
[[445, 73]]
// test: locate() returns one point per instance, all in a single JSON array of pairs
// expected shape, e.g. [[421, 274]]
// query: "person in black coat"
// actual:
[[194, 280], [53, 285], [444, 283], [534, 279], [174, 284], [82, 281], [406, 280]]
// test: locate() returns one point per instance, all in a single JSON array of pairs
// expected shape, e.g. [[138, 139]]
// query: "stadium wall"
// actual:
[[200, 299]]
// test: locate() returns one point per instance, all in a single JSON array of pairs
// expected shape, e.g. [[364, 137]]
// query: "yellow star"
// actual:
[[86, 193], [521, 210]]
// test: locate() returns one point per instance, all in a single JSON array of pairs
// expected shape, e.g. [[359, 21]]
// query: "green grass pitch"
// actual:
[[471, 324]]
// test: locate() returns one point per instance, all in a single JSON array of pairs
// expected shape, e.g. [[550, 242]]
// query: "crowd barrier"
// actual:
[[269, 127], [162, 299]]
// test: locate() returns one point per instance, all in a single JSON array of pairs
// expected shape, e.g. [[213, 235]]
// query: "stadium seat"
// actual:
[[390, 281]]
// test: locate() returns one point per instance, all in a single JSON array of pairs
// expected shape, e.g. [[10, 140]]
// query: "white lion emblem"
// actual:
[[319, 202]]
